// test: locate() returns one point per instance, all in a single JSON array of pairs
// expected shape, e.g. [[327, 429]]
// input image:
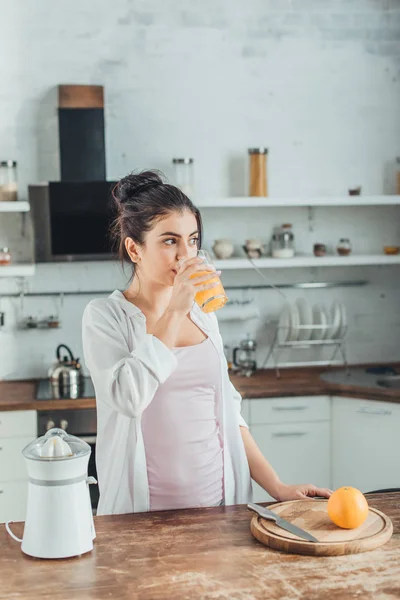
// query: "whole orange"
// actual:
[[348, 507]]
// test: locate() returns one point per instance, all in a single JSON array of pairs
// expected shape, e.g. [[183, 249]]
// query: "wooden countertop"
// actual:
[[199, 554], [304, 381]]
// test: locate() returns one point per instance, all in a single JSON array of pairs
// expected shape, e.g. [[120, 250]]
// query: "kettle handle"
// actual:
[[8, 528], [68, 350], [235, 351]]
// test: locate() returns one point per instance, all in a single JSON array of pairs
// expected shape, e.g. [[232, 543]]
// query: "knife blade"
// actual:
[[265, 513]]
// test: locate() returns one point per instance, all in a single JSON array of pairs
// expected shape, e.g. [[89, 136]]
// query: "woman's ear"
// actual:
[[133, 250]]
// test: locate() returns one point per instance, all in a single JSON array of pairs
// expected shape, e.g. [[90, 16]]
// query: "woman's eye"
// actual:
[[194, 241], [169, 242]]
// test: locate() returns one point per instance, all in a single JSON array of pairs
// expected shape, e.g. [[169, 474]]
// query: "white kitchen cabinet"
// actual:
[[17, 429], [13, 498], [294, 436], [365, 444], [245, 410], [290, 410]]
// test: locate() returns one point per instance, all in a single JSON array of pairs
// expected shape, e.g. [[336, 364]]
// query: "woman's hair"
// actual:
[[140, 201]]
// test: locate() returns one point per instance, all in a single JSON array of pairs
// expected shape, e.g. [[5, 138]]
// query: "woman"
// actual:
[[169, 434]]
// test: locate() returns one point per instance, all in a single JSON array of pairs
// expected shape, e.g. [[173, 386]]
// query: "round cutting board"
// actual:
[[312, 516]]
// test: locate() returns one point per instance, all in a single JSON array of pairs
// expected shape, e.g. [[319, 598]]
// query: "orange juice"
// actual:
[[213, 299]]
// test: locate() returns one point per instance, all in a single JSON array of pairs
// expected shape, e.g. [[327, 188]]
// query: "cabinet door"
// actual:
[[290, 410], [245, 410], [299, 453], [13, 497], [18, 423], [12, 463], [365, 444]]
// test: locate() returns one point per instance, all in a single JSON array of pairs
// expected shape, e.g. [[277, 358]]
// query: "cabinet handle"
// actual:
[[379, 411], [289, 407], [289, 433]]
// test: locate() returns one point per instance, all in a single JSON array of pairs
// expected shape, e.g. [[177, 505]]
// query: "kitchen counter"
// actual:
[[300, 381], [199, 554], [305, 381]]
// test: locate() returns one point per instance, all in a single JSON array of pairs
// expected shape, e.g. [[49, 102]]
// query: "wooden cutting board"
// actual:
[[312, 515]]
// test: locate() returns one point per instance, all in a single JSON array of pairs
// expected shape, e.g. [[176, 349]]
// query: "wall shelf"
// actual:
[[309, 261], [18, 206], [17, 270], [338, 201]]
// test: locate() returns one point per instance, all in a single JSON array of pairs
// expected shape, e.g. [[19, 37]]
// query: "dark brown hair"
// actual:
[[140, 200]]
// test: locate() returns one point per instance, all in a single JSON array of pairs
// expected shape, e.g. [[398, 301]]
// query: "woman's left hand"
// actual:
[[301, 492]]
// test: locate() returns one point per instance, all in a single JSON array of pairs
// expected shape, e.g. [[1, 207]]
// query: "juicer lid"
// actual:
[[56, 444]]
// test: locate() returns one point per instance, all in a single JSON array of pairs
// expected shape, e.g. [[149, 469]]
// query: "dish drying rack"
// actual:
[[277, 346]]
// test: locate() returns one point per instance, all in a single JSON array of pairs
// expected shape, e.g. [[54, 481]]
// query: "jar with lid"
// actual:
[[398, 175], [184, 175], [5, 256], [8, 181], [344, 247], [258, 172], [282, 244]]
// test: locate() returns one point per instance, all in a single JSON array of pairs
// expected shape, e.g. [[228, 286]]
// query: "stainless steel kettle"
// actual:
[[66, 374]]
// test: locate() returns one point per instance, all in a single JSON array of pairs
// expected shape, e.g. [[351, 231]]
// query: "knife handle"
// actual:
[[263, 512]]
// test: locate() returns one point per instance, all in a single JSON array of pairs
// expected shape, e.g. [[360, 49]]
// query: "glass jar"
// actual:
[[8, 181], [319, 249], [282, 244], [344, 247], [5, 256], [184, 175], [258, 172]]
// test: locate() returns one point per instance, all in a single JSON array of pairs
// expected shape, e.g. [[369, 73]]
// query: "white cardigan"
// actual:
[[127, 365]]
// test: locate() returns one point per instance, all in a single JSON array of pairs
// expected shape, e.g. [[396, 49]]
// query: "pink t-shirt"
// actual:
[[181, 433]]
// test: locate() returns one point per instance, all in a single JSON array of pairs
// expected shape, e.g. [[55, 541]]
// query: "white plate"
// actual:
[[334, 321], [319, 318], [284, 325], [306, 318], [343, 320], [294, 323]]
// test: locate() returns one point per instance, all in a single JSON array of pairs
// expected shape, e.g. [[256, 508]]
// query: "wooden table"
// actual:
[[199, 554]]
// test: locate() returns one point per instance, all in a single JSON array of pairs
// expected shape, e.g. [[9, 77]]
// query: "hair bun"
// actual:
[[133, 185]]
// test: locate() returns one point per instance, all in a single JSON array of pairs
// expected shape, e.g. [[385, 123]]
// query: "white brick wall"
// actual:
[[315, 81]]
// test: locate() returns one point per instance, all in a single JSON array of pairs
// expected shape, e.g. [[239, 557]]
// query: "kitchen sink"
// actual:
[[390, 381], [371, 377]]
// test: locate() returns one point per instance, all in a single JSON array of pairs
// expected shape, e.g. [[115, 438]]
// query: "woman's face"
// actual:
[[173, 237]]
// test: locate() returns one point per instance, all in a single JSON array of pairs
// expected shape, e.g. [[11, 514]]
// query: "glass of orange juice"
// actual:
[[215, 298]]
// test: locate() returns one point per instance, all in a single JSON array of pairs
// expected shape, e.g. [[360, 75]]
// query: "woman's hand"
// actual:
[[185, 288], [301, 492]]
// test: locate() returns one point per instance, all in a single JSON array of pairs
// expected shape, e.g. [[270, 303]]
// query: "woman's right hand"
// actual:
[[185, 288]]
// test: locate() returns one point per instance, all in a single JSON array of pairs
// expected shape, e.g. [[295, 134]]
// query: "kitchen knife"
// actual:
[[271, 516]]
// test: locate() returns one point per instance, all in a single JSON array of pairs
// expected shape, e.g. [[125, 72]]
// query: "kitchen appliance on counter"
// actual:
[[244, 357], [81, 422], [45, 390], [66, 375], [59, 519]]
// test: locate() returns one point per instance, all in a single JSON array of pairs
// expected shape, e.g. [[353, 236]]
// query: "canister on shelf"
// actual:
[[282, 243], [344, 247], [398, 175], [5, 256], [184, 175], [258, 172], [8, 181]]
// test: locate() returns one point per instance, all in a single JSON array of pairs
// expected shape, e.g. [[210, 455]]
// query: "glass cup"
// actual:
[[215, 298]]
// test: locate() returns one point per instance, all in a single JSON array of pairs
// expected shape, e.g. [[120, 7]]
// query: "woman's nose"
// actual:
[[185, 250]]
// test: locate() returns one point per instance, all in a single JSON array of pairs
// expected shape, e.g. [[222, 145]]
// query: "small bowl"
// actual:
[[391, 249]]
